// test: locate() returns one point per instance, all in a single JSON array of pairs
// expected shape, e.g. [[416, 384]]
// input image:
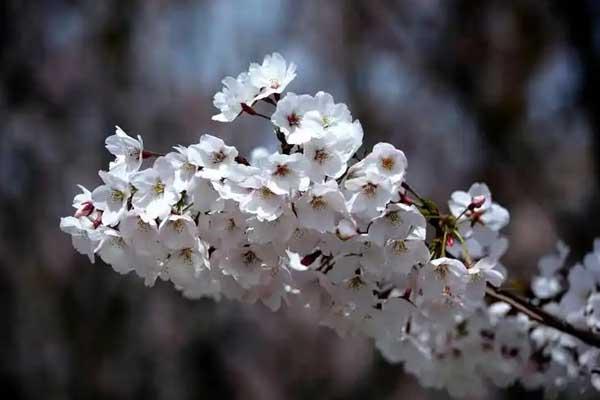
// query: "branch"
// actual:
[[539, 315]]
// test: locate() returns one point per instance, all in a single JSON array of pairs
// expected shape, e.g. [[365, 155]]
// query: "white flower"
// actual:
[[186, 265], [272, 76], [214, 156], [321, 207], [546, 287], [331, 113], [581, 285], [592, 261], [83, 235], [140, 232], [235, 92], [276, 232], [285, 173], [114, 251], [184, 168], [323, 159], [262, 201], [155, 194], [83, 203], [479, 274], [289, 117], [247, 264], [228, 228], [128, 152], [402, 254], [398, 222], [177, 232], [387, 161], [476, 206], [443, 276], [258, 156], [348, 138], [111, 197], [592, 312], [369, 195], [203, 196]]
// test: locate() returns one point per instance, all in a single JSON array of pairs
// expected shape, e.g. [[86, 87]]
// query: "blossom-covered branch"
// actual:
[[318, 230]]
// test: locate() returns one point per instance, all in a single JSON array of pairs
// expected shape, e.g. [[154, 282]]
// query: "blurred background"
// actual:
[[505, 92]]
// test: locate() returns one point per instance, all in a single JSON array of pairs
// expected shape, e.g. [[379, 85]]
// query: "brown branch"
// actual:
[[539, 315]]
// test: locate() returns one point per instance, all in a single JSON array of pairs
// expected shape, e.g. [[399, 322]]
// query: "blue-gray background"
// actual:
[[501, 91]]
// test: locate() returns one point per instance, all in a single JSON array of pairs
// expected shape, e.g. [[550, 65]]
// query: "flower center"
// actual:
[[318, 203], [441, 271], [369, 189], [118, 242], [186, 255], [178, 225], [143, 226], [394, 218], [117, 196], [355, 283], [293, 119], [321, 156], [275, 83], [282, 170], [134, 153], [266, 193], [159, 187], [387, 163], [399, 247], [218, 157], [249, 257], [190, 168], [230, 225]]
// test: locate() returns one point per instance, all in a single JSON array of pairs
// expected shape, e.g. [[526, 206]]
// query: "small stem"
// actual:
[[270, 101], [465, 251], [262, 116], [149, 154], [249, 110], [286, 148], [411, 190], [443, 252]]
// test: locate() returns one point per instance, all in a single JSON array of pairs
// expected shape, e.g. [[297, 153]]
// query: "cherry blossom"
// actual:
[[343, 240]]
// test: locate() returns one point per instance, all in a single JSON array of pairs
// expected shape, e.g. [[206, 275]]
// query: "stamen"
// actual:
[[369, 189], [218, 157], [393, 218], [159, 187], [318, 203], [293, 119], [281, 170], [387, 163], [249, 257], [399, 247], [321, 156], [266, 193], [117, 196]]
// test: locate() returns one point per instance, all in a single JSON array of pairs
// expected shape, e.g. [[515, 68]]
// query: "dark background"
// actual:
[[505, 92]]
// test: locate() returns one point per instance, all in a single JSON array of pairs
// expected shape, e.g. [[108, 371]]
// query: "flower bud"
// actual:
[[477, 202], [84, 209]]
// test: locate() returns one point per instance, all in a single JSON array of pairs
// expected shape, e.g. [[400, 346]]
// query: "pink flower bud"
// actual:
[[84, 209], [477, 202]]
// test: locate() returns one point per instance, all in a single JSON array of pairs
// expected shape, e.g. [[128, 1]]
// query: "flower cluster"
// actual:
[[316, 229]]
